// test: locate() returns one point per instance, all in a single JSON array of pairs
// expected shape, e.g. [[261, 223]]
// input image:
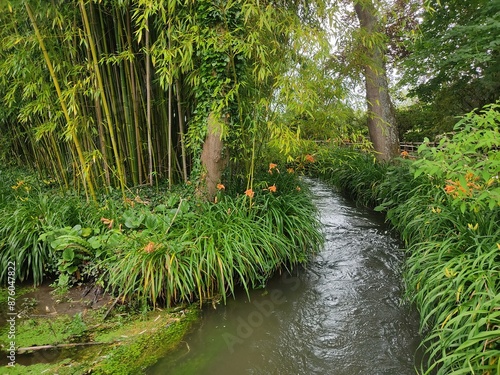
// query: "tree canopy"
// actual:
[[453, 61], [119, 93]]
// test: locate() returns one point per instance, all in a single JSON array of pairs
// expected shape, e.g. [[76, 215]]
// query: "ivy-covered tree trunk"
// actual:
[[213, 159], [381, 118], [217, 25]]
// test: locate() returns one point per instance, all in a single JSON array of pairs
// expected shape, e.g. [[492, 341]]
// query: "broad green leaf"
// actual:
[[68, 254]]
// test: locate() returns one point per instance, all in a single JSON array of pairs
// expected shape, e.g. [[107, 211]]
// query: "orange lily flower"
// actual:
[[107, 222], [273, 166], [309, 158], [449, 189], [249, 193], [150, 247]]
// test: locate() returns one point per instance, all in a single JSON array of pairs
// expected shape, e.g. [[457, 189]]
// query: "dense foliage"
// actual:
[[119, 93], [446, 206], [451, 64], [108, 104], [159, 247]]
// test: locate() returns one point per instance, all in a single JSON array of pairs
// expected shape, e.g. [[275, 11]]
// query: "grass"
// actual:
[[22, 222]]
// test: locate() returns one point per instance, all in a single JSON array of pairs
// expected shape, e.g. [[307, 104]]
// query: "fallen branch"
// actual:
[[111, 308], [58, 346]]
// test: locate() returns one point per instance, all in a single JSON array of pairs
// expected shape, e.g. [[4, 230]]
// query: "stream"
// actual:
[[342, 314]]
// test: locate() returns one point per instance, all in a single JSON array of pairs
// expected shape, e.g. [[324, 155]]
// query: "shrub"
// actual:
[[23, 221]]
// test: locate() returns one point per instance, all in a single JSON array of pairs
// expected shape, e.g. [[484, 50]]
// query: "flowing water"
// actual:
[[342, 315]]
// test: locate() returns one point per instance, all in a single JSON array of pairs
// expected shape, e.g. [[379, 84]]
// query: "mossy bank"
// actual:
[[91, 341]]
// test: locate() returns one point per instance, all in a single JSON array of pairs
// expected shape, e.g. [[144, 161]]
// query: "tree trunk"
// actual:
[[381, 119], [212, 157]]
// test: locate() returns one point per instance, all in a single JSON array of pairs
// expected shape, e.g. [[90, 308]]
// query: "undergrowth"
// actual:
[[159, 246], [213, 247]]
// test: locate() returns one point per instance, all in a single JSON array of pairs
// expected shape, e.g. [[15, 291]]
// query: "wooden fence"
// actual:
[[413, 146], [410, 147]]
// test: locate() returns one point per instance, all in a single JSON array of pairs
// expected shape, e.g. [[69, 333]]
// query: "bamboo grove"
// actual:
[[118, 93]]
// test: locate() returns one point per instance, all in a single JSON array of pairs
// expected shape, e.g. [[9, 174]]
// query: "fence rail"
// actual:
[[410, 147], [413, 146]]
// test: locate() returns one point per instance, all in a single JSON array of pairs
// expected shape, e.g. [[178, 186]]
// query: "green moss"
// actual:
[[47, 331], [145, 349], [132, 342], [65, 367]]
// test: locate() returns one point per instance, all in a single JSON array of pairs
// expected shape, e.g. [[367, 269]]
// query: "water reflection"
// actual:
[[341, 315]]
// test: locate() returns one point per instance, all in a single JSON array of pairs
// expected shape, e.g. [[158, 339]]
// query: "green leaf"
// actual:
[[86, 232], [485, 175], [68, 254], [172, 200], [160, 208], [71, 269], [418, 172], [133, 219], [151, 221], [95, 242], [492, 204]]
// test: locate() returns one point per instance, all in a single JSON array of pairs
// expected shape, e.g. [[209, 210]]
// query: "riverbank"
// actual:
[[342, 313], [446, 208], [158, 248], [82, 332]]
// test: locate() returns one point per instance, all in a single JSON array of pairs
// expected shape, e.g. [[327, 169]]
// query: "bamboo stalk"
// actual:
[[103, 142], [181, 130], [170, 109], [135, 103], [114, 144], [169, 145], [148, 106], [127, 108], [86, 178], [59, 162]]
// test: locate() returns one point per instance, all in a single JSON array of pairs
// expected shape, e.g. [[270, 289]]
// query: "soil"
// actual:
[[43, 302], [77, 299]]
